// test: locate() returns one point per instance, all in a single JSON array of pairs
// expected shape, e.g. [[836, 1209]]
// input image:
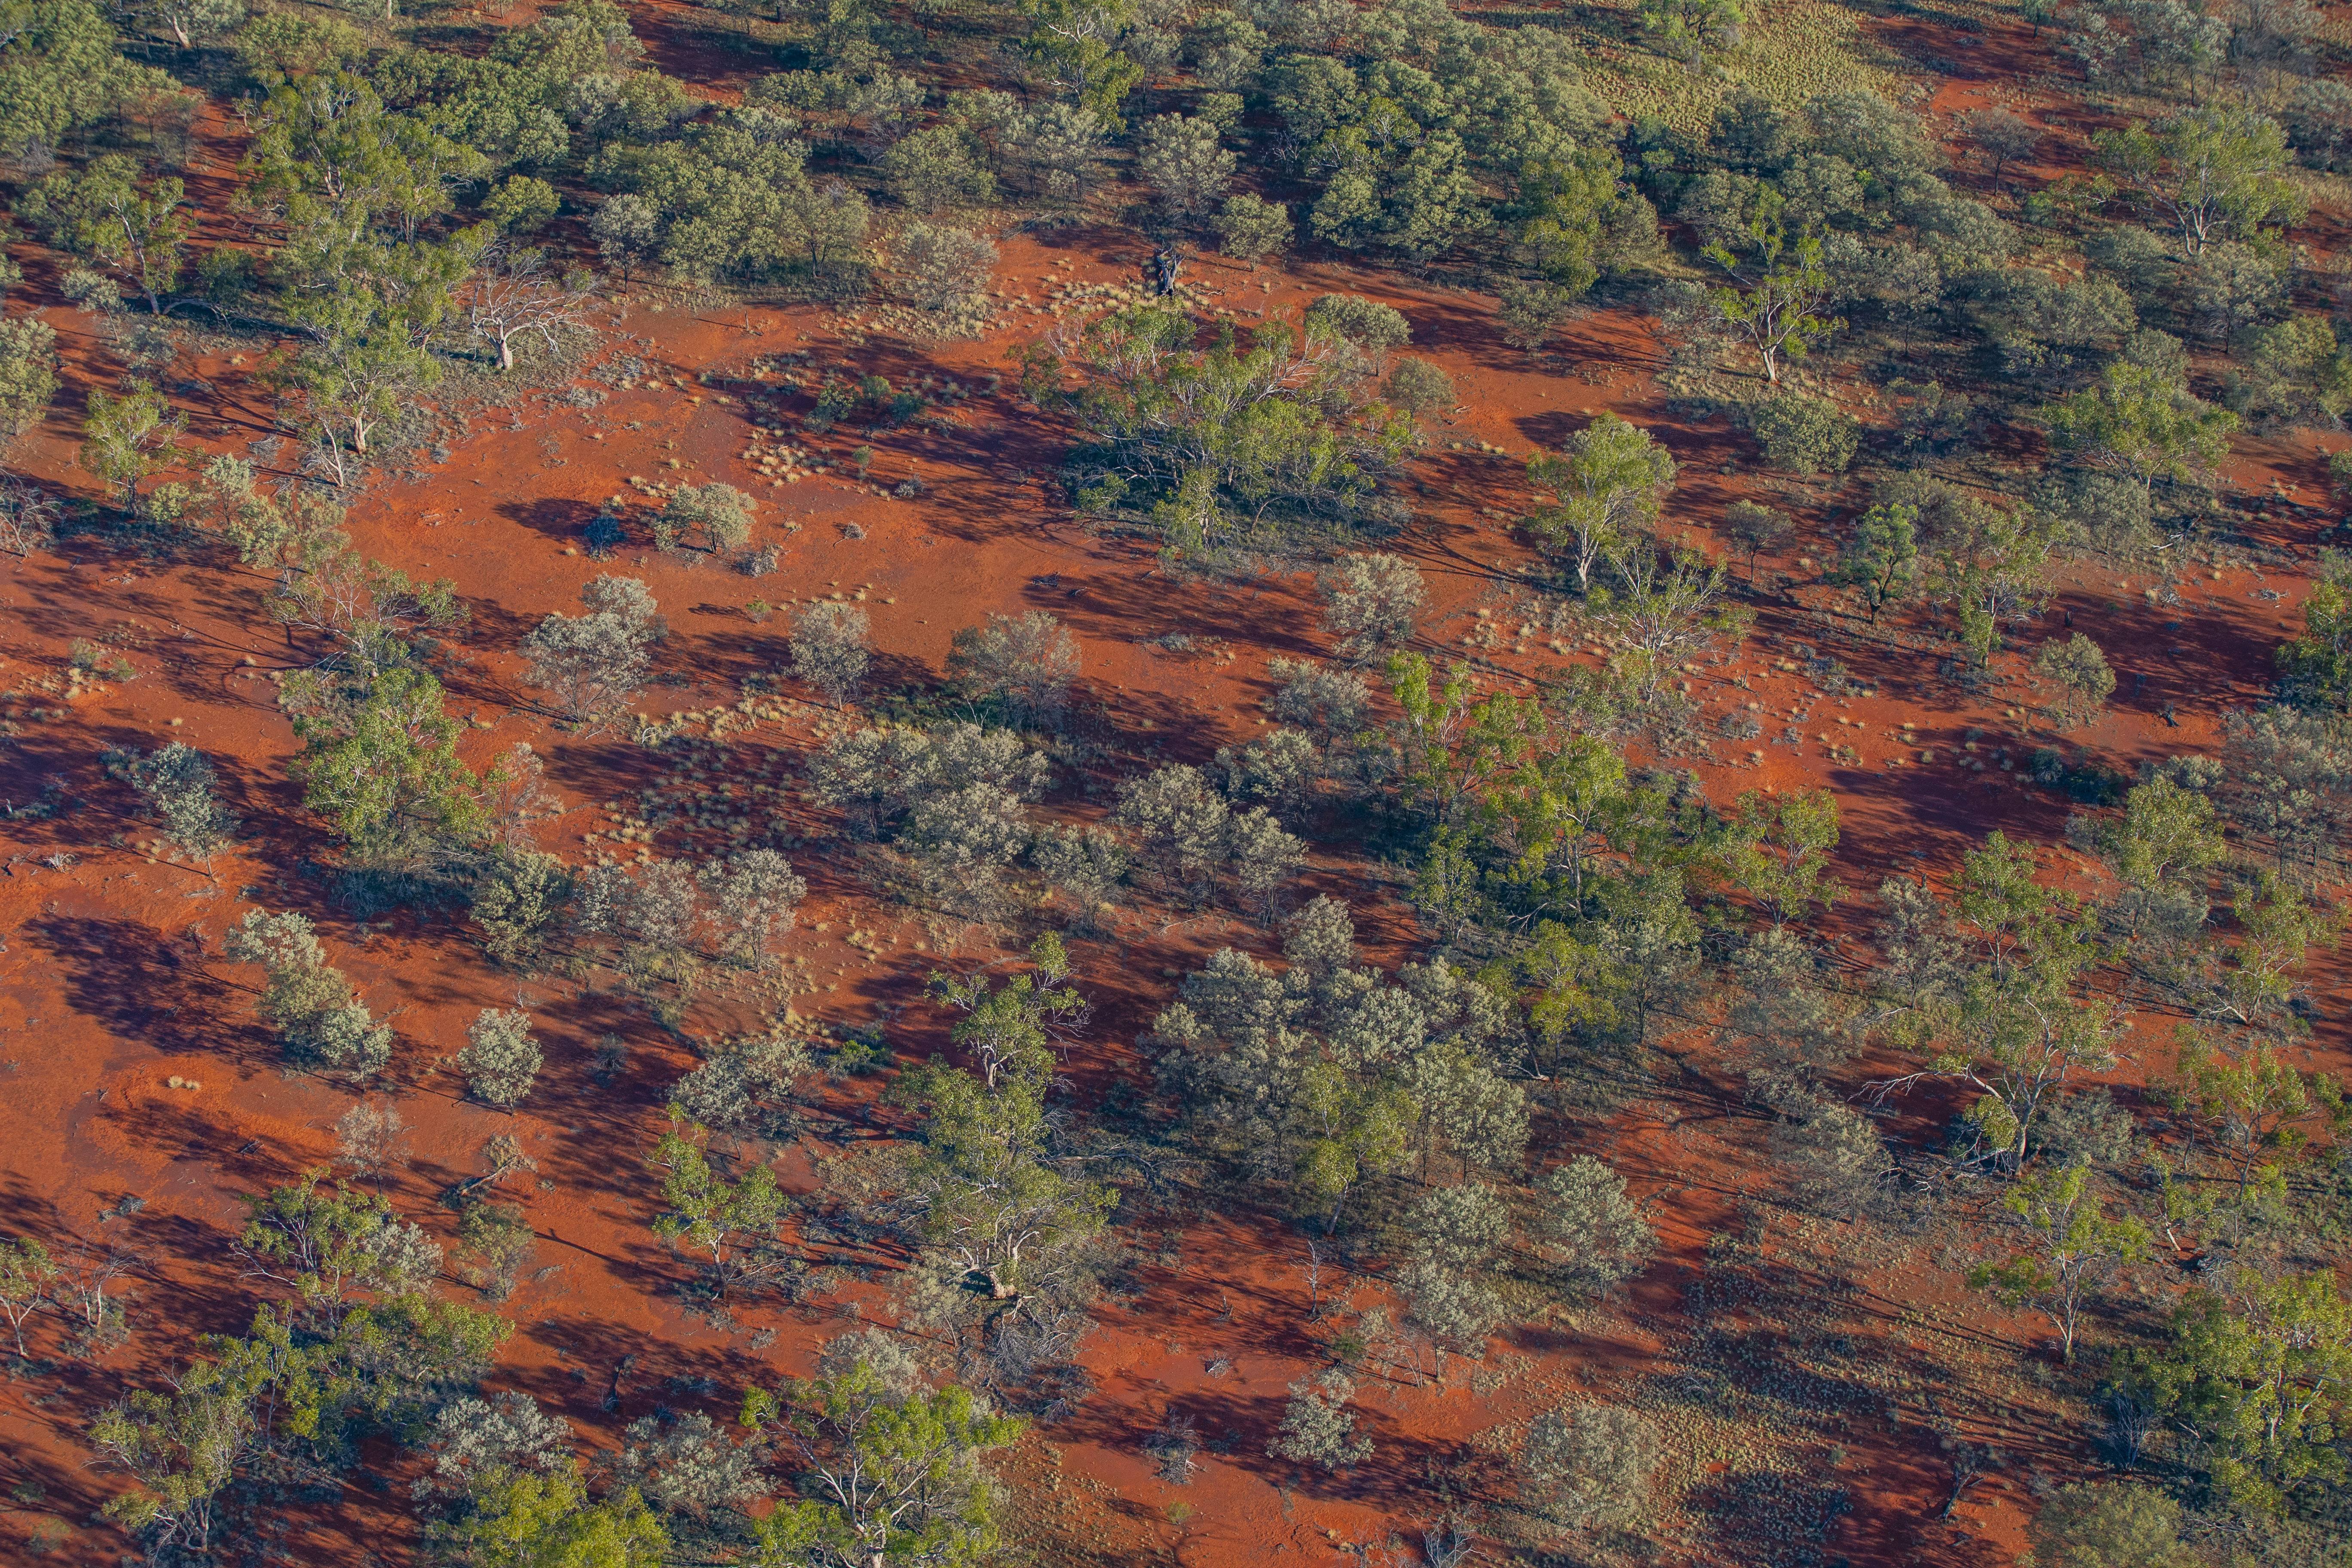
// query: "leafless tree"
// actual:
[[371, 1135], [512, 297]]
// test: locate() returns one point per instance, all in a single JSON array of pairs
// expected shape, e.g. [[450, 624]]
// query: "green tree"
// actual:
[[308, 1001], [890, 1472], [1779, 852], [1771, 303], [2161, 847], [1572, 205], [25, 1272], [989, 1196], [1881, 558], [1687, 29], [536, 1519], [1009, 1028], [1251, 229], [381, 764], [1606, 482], [29, 372], [2142, 425], [2249, 1118], [2315, 668], [2077, 666], [129, 437], [2014, 1021], [2069, 1246], [1184, 164], [2260, 1375], [2208, 173], [105, 213], [732, 1225]]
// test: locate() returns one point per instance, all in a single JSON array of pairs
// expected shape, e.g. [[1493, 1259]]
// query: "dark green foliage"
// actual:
[[520, 897]]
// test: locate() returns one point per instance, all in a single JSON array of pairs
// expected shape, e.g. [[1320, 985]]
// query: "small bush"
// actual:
[[500, 1060], [1589, 1465], [829, 649], [1805, 435], [1418, 387]]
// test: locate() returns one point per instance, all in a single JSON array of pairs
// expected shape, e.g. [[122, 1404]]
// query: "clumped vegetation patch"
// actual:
[[1444, 962]]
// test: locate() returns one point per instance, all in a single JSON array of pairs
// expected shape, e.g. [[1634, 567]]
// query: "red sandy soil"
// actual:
[[111, 981]]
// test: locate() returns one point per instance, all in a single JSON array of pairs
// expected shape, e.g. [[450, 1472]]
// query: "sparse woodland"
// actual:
[[1628, 994]]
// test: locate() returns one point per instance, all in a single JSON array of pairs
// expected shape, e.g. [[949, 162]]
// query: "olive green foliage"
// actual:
[[303, 1388], [1320, 1079], [1880, 558], [501, 1060], [178, 784], [1418, 387], [938, 167], [892, 1471], [1530, 310], [1806, 434], [2208, 174], [29, 372], [1181, 161], [1217, 444], [308, 1001], [944, 271], [1589, 1465], [2262, 1371], [379, 762], [2141, 426], [521, 203], [725, 202], [1578, 221], [1251, 229], [1412, 132], [1606, 484], [2009, 1018], [2079, 669], [2316, 667], [106, 214], [2291, 371], [60, 71], [713, 516], [27, 1274], [2117, 1525]]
